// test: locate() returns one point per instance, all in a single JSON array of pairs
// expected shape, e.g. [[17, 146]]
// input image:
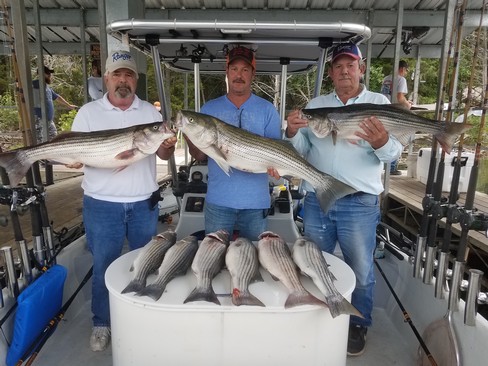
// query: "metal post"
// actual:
[[471, 309], [12, 284], [419, 255], [429, 265], [440, 280], [455, 284], [284, 61], [25, 262]]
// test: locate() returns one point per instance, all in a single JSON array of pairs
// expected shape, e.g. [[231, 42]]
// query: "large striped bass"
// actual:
[[243, 265], [176, 262], [115, 149], [309, 258], [149, 259], [233, 147], [208, 262], [342, 122], [274, 255]]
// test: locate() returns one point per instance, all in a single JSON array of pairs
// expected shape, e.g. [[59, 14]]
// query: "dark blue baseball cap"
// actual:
[[348, 49]]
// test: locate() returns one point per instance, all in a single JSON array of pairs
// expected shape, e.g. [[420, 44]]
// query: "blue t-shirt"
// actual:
[[51, 96], [242, 190]]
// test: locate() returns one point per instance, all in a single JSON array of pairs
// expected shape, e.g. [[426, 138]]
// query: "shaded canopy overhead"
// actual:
[[423, 20], [181, 44]]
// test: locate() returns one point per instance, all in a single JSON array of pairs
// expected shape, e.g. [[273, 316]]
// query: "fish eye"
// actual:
[[307, 116], [155, 127]]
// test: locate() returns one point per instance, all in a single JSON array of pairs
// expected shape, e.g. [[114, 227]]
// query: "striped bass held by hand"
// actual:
[[274, 255], [243, 265], [208, 262], [309, 258], [112, 149], [343, 122], [176, 262], [149, 259], [233, 147]]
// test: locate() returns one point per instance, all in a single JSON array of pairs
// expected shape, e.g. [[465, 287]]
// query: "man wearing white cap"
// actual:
[[117, 206], [352, 220]]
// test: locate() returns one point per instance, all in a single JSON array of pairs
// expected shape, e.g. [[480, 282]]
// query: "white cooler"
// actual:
[[423, 161], [168, 332]]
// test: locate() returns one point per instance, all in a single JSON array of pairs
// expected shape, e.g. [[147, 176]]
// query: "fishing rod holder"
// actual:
[[457, 275], [474, 287], [25, 262], [441, 286], [12, 284], [473, 220], [429, 265], [39, 250], [19, 198], [419, 256], [454, 213]]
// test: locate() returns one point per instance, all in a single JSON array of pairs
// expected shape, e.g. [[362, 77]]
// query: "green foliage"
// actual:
[[376, 76], [65, 120], [9, 114]]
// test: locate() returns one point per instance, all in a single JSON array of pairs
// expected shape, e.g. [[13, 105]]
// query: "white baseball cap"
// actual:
[[121, 60]]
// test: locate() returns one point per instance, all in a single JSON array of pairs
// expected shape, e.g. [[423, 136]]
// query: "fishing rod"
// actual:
[[433, 202], [39, 342], [429, 202], [407, 318], [468, 216], [12, 199], [453, 213]]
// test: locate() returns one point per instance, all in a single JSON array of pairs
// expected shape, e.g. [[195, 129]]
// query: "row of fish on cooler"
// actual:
[[172, 258]]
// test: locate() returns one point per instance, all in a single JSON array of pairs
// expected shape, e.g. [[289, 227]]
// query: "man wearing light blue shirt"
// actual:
[[352, 220]]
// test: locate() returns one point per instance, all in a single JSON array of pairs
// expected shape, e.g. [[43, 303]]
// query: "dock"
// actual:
[[404, 207]]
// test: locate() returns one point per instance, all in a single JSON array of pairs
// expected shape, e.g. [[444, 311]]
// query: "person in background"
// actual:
[[240, 200], [117, 206], [401, 95], [351, 221], [51, 96], [95, 82], [157, 105]]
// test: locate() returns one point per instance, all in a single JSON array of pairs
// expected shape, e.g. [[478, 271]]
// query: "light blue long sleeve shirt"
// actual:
[[353, 162], [242, 190]]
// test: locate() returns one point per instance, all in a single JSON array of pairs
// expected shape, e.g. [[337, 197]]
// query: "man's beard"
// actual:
[[123, 92]]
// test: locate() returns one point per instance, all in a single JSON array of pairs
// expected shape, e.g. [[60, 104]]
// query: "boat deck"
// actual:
[[386, 340]]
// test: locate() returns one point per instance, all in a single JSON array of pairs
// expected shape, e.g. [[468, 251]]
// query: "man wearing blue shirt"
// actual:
[[352, 220], [51, 96], [240, 200]]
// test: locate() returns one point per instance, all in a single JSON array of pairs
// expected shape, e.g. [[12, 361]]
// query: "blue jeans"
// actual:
[[107, 225], [394, 165], [351, 221], [249, 222]]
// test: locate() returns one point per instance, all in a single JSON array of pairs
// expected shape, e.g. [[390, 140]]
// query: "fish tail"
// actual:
[[134, 286], [245, 298], [331, 190], [339, 305], [154, 291], [202, 294], [15, 164], [448, 136], [304, 297]]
